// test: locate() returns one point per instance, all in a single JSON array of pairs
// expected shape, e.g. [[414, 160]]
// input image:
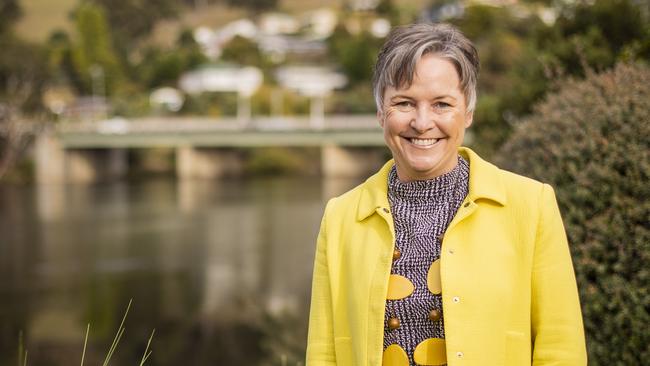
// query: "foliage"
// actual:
[[23, 73], [131, 20], [597, 32], [131, 102], [355, 53], [94, 59], [590, 141], [243, 51], [520, 54], [275, 161], [212, 104], [59, 58], [10, 11], [596, 35], [500, 39], [284, 339], [254, 5], [355, 100], [164, 67], [386, 8]]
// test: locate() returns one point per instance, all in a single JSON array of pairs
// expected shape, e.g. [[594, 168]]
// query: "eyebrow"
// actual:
[[402, 96]]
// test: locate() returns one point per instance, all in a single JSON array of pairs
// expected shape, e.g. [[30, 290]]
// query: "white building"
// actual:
[[212, 41], [320, 23], [222, 78], [273, 24]]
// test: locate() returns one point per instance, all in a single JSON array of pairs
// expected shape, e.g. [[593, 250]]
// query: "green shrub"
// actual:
[[275, 161], [591, 141]]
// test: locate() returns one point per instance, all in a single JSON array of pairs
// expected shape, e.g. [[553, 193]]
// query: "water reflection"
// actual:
[[220, 269]]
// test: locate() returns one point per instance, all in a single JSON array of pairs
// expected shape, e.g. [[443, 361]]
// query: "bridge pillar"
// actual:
[[347, 161], [54, 164], [92, 165], [50, 159], [192, 162]]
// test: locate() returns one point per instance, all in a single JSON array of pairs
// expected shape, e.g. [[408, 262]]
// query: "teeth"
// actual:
[[424, 142]]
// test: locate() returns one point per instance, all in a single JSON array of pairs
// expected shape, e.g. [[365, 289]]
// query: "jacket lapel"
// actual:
[[374, 194]]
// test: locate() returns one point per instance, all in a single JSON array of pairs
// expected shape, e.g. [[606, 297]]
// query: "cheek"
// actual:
[[390, 114], [452, 126], [394, 120]]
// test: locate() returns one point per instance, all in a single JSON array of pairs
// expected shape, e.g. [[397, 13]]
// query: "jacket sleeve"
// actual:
[[557, 330], [320, 341]]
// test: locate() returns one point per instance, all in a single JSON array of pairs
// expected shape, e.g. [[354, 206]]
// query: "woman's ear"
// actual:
[[380, 118], [469, 118]]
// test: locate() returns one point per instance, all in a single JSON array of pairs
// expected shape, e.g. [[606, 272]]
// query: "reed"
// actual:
[[22, 352], [146, 355], [118, 336]]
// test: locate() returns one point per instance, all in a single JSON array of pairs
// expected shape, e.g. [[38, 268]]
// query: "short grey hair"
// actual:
[[404, 47]]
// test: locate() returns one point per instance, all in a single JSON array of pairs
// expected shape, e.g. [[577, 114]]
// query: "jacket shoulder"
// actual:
[[514, 180], [347, 201], [526, 194]]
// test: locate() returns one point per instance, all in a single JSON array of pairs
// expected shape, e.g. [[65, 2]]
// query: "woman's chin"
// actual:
[[419, 170], [426, 168]]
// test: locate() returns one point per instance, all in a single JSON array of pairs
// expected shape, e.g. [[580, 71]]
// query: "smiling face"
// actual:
[[425, 123]]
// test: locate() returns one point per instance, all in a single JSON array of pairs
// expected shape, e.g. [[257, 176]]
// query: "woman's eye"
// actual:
[[404, 104], [442, 105]]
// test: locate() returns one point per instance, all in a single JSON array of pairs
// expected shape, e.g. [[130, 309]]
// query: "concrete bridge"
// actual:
[[204, 147]]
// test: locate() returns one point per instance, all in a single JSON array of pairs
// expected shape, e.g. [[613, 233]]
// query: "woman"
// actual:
[[441, 257]]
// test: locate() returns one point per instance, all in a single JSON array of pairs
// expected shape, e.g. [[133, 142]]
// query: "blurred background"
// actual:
[[179, 153]]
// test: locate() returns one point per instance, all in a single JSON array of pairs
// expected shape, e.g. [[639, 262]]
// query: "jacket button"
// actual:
[[435, 315], [456, 299], [393, 323], [450, 251], [459, 354], [396, 254]]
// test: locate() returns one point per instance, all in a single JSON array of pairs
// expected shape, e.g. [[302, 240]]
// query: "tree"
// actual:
[[243, 51], [23, 74], [131, 20], [520, 56], [10, 12], [356, 54], [93, 56], [500, 38], [590, 141], [164, 67]]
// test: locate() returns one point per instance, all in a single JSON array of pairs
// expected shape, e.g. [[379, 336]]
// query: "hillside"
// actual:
[[42, 17]]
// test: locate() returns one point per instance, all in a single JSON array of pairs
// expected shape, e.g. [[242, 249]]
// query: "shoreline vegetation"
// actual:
[[23, 352]]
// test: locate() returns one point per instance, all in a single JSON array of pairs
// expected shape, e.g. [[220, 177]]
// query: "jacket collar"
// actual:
[[484, 183]]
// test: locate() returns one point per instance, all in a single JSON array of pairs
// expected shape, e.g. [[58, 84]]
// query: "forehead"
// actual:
[[432, 74]]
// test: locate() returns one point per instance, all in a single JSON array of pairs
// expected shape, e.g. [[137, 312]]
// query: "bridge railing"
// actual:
[[146, 125]]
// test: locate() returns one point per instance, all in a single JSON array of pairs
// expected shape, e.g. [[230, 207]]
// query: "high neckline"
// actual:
[[440, 187]]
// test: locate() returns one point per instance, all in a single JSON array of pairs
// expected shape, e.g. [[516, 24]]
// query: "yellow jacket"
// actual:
[[508, 288]]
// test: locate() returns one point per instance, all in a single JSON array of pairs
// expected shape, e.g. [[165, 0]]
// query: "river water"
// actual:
[[220, 269]]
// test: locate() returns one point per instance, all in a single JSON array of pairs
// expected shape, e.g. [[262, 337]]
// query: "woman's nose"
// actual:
[[423, 119]]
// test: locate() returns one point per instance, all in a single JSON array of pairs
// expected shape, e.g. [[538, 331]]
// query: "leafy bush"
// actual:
[[590, 140], [278, 161]]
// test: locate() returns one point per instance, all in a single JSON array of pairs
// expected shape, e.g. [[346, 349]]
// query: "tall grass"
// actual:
[[22, 352]]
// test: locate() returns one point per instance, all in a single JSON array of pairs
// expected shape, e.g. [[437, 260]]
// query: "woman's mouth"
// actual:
[[423, 142]]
